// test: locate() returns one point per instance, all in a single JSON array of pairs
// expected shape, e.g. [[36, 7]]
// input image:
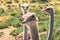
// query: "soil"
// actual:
[[6, 33]]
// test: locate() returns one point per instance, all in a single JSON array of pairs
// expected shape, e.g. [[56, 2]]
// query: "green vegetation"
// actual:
[[1, 11], [16, 19], [8, 2], [16, 31], [3, 25], [16, 1], [43, 36], [32, 1], [43, 25], [40, 1], [1, 33]]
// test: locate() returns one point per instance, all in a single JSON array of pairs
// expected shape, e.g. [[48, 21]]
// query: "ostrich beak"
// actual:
[[24, 21], [44, 10], [31, 18]]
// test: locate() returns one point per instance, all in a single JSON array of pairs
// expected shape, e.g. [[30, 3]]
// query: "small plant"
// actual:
[[43, 36], [57, 12], [16, 31], [8, 1], [42, 1], [1, 11], [32, 1], [3, 25], [1, 33], [16, 1]]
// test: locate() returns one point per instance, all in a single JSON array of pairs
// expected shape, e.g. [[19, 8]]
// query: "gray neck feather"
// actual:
[[51, 25], [34, 32]]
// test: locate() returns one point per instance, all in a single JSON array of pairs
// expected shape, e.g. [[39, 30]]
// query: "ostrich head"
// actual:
[[29, 18], [49, 9], [25, 7]]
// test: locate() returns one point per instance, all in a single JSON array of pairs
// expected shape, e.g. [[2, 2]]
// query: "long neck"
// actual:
[[34, 31], [24, 12], [51, 26], [25, 37]]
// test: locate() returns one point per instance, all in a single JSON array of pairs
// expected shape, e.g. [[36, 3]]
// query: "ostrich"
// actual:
[[24, 8], [34, 30], [50, 10], [31, 22]]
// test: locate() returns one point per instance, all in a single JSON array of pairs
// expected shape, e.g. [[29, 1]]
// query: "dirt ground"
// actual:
[[6, 33]]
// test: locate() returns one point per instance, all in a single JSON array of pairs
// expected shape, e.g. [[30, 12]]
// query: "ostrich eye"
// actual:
[[31, 18], [27, 7]]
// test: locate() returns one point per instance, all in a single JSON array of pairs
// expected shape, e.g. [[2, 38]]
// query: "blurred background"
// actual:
[[11, 20]]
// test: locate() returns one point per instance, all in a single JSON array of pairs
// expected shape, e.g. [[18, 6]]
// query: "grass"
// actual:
[[43, 36], [16, 31], [1, 33], [43, 23]]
